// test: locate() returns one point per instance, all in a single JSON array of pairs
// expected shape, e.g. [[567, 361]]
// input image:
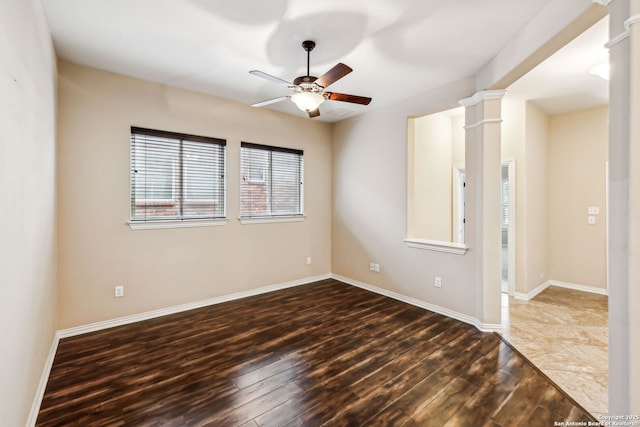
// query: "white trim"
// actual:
[[271, 219], [632, 20], [531, 294], [617, 39], [606, 216], [436, 245], [601, 2], [559, 284], [459, 178], [578, 287], [488, 327], [483, 95], [482, 122], [625, 34], [187, 223], [484, 327], [42, 385], [92, 327], [83, 329]]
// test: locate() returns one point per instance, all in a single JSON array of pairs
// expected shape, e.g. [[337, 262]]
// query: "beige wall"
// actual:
[[432, 155], [512, 148], [457, 134], [578, 152], [536, 216], [27, 204], [435, 144], [558, 175], [525, 141], [369, 200], [163, 268]]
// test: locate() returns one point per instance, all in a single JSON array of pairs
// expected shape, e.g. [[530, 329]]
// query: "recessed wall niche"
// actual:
[[436, 175]]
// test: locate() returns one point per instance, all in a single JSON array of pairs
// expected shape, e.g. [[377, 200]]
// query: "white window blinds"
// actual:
[[176, 176], [271, 181], [504, 206]]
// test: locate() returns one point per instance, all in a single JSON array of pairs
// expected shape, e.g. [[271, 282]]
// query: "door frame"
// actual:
[[458, 225]]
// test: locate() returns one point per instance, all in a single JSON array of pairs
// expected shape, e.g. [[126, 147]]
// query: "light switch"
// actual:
[[593, 210], [591, 219]]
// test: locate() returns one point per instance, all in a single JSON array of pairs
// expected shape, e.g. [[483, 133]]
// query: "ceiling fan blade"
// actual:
[[314, 113], [270, 101], [269, 77], [333, 75], [354, 99]]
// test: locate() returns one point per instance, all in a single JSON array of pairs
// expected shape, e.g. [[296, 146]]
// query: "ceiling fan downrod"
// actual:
[[308, 45]]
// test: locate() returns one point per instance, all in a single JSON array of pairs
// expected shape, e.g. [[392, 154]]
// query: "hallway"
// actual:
[[565, 334]]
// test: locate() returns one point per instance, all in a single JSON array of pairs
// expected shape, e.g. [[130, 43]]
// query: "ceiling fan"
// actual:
[[309, 91]]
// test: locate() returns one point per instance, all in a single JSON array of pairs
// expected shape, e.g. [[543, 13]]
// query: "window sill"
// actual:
[[152, 225], [271, 219], [438, 246]]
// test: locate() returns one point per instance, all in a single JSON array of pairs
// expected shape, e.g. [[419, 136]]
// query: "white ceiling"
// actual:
[[563, 82], [397, 48]]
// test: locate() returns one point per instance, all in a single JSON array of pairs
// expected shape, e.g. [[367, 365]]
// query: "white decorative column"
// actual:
[[624, 207], [482, 164]]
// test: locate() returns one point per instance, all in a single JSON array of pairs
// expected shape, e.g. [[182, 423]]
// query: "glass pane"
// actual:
[[154, 177], [254, 184], [286, 176], [203, 180], [176, 179]]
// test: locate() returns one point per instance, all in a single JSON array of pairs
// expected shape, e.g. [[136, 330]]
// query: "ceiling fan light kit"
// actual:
[[309, 90], [307, 101]]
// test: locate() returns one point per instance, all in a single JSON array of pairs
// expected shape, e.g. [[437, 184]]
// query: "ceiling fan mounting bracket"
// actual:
[[308, 45]]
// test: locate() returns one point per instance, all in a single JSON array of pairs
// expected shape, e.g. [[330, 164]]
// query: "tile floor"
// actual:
[[565, 334]]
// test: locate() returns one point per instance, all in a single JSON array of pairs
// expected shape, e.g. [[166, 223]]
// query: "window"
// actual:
[[176, 177], [504, 206], [272, 181]]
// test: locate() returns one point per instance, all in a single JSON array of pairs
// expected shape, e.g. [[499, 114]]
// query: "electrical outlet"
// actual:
[[593, 210], [119, 291], [372, 266], [308, 260], [437, 282], [591, 220], [376, 267]]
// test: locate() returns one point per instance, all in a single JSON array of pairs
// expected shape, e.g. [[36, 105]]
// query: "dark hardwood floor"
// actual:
[[320, 354]]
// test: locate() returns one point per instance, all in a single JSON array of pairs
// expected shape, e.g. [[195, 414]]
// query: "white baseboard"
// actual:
[[484, 327], [78, 330], [531, 294], [577, 287], [97, 326], [42, 385], [583, 288]]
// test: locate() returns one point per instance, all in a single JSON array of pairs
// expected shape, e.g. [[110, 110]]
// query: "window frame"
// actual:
[[271, 217], [178, 192]]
